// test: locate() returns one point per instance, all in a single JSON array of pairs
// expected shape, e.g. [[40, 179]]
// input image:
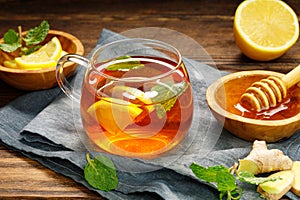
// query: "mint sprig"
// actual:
[[100, 173], [220, 176], [225, 181], [13, 40]]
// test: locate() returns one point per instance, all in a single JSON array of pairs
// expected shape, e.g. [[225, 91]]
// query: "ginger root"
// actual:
[[274, 190], [263, 160], [296, 186]]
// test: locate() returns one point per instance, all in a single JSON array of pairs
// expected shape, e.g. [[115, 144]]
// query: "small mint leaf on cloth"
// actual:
[[220, 175], [226, 184], [100, 173], [207, 174]]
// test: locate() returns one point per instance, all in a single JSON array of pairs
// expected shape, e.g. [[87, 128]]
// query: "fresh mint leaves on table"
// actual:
[[13, 40], [225, 181], [221, 176], [100, 173]]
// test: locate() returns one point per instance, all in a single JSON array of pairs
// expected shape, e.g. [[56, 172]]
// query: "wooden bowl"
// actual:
[[42, 78], [242, 127]]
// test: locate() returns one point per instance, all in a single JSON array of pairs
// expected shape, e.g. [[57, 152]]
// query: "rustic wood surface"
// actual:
[[209, 22]]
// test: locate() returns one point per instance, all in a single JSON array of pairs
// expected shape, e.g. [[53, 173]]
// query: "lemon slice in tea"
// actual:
[[114, 115]]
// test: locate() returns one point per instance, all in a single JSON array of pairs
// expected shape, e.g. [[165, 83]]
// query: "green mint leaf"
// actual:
[[124, 66], [27, 51], [9, 47], [101, 173], [161, 109], [233, 195], [220, 175], [11, 41], [207, 174], [167, 94], [226, 181], [38, 34], [248, 177], [11, 37]]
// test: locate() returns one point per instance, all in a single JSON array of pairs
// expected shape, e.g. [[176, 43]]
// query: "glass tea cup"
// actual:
[[136, 98]]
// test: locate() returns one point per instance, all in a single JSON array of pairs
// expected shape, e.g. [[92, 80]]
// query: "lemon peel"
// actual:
[[114, 115]]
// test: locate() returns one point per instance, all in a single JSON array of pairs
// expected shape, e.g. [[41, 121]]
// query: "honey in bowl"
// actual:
[[277, 123], [235, 88]]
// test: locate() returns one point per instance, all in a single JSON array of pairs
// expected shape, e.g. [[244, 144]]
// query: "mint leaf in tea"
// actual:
[[125, 66], [167, 96]]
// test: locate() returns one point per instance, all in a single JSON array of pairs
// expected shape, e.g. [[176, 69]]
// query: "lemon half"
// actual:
[[265, 29]]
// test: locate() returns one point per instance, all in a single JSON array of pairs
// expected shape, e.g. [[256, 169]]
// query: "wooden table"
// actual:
[[209, 22]]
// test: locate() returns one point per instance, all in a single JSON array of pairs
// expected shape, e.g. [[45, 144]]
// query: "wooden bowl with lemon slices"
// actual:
[[38, 75]]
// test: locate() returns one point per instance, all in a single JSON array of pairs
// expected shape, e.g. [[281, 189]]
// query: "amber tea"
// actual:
[[137, 105], [136, 99]]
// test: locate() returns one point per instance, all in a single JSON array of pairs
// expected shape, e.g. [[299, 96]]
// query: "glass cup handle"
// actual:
[[61, 78]]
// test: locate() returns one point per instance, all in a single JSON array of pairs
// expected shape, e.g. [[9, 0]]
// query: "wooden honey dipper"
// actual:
[[268, 92]]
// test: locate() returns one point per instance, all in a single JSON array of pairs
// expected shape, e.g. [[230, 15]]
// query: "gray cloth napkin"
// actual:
[[43, 125]]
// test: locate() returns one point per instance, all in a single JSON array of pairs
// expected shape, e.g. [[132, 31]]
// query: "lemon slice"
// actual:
[[134, 93], [265, 29], [63, 53], [10, 64], [45, 57], [114, 115], [52, 48], [36, 60]]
